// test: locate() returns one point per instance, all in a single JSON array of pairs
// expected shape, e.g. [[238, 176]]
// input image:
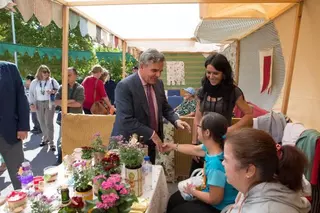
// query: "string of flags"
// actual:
[[47, 11]]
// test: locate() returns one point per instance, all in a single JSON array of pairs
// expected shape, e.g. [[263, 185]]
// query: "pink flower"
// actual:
[[102, 205], [96, 178], [118, 187], [115, 178], [124, 191], [107, 185], [108, 200]]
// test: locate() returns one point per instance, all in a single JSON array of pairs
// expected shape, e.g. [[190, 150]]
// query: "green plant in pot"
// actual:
[[131, 156], [82, 175], [98, 148]]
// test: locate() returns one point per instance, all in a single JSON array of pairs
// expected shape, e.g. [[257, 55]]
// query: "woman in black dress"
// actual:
[[219, 94]]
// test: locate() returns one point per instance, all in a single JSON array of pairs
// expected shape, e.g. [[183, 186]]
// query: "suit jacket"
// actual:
[[14, 106], [132, 114]]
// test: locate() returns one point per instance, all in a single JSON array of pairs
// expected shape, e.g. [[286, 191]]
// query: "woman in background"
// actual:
[[219, 94], [41, 97], [269, 177], [91, 84], [188, 106]]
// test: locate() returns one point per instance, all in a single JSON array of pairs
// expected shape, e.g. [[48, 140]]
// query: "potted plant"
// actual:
[[87, 154], [108, 165], [131, 156], [114, 196], [41, 203], [115, 142], [82, 175], [99, 148]]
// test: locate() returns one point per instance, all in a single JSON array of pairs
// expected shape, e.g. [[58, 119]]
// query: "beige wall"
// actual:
[[305, 91]]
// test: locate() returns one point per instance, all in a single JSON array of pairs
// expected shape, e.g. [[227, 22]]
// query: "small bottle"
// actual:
[[65, 198], [66, 201], [26, 177], [147, 173]]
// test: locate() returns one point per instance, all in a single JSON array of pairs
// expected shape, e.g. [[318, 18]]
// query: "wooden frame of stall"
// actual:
[[66, 8]]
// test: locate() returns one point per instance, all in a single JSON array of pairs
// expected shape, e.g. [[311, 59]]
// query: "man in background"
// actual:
[[36, 125], [14, 119], [135, 69], [75, 100]]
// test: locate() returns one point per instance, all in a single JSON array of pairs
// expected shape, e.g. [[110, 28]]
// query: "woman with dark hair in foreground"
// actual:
[[268, 176]]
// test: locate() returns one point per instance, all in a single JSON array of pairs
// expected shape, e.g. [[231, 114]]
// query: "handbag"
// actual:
[[99, 107], [196, 179]]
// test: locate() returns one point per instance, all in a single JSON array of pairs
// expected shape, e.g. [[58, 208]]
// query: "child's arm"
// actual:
[[195, 150]]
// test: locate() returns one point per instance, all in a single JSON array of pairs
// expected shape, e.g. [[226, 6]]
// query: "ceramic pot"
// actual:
[[134, 178], [87, 195]]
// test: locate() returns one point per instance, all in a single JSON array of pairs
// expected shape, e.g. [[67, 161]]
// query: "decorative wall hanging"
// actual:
[[175, 73], [266, 59], [231, 54]]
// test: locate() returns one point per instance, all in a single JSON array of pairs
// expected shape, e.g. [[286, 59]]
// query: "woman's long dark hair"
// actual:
[[226, 88]]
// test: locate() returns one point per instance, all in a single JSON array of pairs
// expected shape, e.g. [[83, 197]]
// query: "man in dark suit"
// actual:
[[14, 119], [141, 103]]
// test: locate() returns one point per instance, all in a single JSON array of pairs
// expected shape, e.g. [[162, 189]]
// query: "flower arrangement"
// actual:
[[114, 196], [76, 205], [115, 142], [86, 152], [108, 165], [82, 176], [41, 203], [97, 144], [131, 154]]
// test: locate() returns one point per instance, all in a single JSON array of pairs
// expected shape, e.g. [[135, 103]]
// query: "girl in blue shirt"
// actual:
[[217, 193]]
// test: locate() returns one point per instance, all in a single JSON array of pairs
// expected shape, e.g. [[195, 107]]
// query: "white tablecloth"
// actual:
[[157, 197]]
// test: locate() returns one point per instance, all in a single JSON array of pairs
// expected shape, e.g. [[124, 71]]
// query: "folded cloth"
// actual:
[[140, 206]]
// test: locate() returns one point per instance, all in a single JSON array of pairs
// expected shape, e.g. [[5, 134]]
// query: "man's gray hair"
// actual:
[[151, 56]]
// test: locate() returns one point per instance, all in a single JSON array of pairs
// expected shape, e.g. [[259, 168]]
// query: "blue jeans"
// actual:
[[36, 124]]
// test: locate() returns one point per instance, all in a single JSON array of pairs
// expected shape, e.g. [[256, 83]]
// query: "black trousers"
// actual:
[[196, 165], [152, 152], [177, 204]]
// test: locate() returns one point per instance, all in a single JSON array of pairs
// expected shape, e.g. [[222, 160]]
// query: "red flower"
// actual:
[[77, 202]]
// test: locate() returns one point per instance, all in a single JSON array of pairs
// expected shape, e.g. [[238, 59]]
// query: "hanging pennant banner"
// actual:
[[56, 14], [43, 11], [98, 36], [83, 26], [92, 30], [26, 8], [266, 60]]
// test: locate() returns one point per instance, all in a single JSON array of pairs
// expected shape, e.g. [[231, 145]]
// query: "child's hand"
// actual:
[[189, 189], [167, 147]]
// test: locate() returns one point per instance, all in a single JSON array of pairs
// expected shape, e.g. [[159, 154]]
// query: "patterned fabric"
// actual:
[[231, 54], [175, 73], [186, 107], [166, 160], [159, 195]]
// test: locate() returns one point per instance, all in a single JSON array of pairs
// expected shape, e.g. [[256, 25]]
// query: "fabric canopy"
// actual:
[[174, 27]]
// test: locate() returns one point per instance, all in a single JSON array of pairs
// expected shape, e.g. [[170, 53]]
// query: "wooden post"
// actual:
[[65, 36], [236, 72], [124, 51], [289, 74]]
